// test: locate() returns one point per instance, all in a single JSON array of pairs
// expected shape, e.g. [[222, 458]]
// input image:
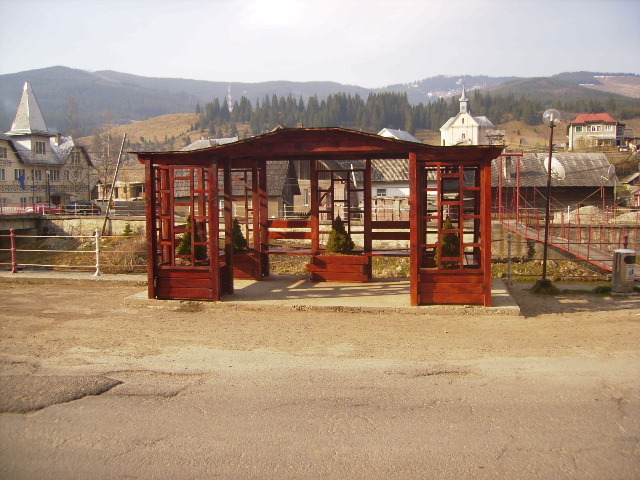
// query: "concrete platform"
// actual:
[[300, 293], [291, 291]]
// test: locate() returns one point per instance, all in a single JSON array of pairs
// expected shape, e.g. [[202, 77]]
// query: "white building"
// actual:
[[465, 129], [37, 165]]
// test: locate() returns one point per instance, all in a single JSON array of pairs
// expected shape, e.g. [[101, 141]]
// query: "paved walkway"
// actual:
[[293, 291]]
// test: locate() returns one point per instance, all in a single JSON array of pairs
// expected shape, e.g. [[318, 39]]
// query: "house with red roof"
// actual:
[[592, 130]]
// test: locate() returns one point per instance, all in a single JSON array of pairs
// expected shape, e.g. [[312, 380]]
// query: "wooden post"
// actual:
[[152, 255], [228, 227], [214, 233], [415, 212], [314, 219], [113, 185], [368, 229], [255, 208], [264, 219], [485, 215]]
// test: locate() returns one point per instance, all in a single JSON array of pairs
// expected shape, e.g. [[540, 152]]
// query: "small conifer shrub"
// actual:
[[238, 241], [339, 239], [185, 245], [450, 244]]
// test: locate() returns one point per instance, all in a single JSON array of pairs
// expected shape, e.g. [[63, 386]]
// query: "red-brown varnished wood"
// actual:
[[390, 235], [290, 235], [289, 224], [341, 260], [451, 299], [415, 213], [246, 265], [339, 277]]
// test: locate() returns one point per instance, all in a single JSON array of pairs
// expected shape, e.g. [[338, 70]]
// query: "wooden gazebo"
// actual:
[[190, 199]]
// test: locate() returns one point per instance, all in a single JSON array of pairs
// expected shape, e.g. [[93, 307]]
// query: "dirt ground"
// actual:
[[91, 386], [94, 318]]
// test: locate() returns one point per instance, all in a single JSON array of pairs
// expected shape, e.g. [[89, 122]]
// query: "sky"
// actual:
[[369, 43]]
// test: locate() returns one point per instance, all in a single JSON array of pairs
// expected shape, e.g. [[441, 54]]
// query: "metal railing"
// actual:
[[117, 209], [127, 254], [95, 248]]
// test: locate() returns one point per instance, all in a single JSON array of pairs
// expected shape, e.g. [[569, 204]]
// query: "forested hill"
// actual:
[[78, 102], [393, 110]]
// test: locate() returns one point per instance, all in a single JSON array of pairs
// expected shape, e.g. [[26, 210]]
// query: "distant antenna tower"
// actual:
[[229, 102]]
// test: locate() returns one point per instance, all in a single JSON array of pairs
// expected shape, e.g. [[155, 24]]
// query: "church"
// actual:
[[465, 129]]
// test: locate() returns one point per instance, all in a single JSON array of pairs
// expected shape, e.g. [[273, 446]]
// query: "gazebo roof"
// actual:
[[317, 144]]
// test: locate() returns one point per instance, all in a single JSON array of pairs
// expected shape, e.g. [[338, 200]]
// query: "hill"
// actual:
[[429, 89], [103, 98], [115, 98]]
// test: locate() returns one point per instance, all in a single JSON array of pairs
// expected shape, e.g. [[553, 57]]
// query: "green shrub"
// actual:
[[339, 239], [238, 241], [450, 244], [185, 245]]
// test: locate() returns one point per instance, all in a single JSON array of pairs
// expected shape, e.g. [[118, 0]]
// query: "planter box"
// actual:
[[340, 268], [246, 265]]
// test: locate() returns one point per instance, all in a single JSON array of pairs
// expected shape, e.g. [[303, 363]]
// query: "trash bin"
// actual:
[[623, 276]]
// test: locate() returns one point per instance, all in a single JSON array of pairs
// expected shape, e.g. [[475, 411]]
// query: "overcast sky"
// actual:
[[370, 43]]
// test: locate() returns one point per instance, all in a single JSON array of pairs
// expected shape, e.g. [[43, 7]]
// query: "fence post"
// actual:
[[509, 237], [97, 238], [14, 263]]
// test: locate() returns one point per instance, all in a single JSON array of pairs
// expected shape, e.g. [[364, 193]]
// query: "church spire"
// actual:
[[464, 101], [29, 119]]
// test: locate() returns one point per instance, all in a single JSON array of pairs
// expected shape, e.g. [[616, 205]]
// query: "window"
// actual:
[[608, 128], [75, 158], [66, 175], [462, 120], [3, 152], [463, 136], [24, 200], [306, 196], [2, 177], [578, 129], [37, 175], [40, 148], [55, 175], [381, 192], [18, 173]]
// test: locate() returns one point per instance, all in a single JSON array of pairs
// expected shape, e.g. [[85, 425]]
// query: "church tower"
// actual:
[[464, 102]]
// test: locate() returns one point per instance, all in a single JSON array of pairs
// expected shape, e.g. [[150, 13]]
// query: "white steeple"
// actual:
[[29, 119], [464, 102]]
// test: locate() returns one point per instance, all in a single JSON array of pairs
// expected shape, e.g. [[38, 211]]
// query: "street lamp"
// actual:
[[48, 190], [551, 118]]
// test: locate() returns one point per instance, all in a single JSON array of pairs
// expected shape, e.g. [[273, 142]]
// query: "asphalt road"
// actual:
[[91, 388], [265, 415]]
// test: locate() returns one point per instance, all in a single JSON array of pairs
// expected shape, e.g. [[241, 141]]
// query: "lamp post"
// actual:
[[48, 191], [551, 118]]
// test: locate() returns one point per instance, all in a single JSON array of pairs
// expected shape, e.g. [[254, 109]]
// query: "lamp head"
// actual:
[[551, 117]]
